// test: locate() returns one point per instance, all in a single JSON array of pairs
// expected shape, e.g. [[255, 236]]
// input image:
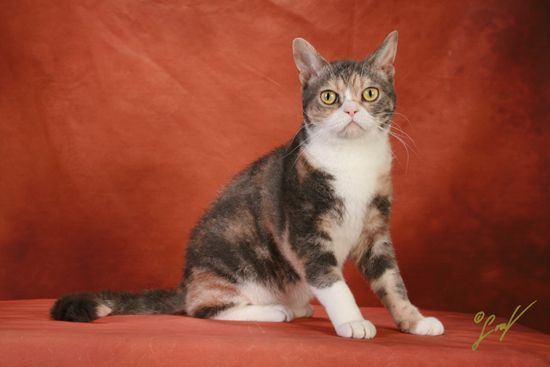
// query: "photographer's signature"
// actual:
[[503, 327]]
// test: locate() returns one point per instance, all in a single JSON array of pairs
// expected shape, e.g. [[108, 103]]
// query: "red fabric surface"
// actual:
[[120, 120], [28, 338]]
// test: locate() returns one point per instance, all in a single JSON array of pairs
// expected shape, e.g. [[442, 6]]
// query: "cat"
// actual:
[[282, 229]]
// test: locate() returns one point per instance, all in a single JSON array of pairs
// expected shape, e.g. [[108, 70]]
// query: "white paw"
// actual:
[[362, 329], [427, 326], [282, 313]]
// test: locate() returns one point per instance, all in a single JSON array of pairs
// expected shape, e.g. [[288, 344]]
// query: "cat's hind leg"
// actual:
[[210, 296], [267, 313]]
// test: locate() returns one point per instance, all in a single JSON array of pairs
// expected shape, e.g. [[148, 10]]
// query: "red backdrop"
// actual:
[[119, 122]]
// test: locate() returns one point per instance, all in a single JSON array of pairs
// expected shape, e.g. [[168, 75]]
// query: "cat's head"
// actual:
[[347, 99]]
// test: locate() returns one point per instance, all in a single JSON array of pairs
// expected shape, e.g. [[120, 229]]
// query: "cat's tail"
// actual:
[[86, 307]]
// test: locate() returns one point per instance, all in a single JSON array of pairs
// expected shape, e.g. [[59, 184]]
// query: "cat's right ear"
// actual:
[[385, 55], [307, 59]]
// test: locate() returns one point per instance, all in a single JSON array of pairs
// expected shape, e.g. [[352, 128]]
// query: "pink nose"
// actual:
[[350, 109]]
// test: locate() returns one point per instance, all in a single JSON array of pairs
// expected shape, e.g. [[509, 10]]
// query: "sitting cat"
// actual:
[[282, 229]]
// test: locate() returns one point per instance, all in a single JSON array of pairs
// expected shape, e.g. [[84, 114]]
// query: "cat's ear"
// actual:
[[307, 59], [385, 55]]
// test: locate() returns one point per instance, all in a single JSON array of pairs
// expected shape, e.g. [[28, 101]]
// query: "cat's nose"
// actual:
[[350, 108]]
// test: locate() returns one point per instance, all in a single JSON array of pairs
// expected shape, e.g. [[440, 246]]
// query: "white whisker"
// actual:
[[299, 145], [398, 138], [302, 143], [398, 128]]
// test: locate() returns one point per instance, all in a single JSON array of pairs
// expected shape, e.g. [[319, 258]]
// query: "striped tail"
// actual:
[[86, 307]]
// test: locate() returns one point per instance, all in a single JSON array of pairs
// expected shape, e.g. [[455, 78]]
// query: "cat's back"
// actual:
[[243, 202]]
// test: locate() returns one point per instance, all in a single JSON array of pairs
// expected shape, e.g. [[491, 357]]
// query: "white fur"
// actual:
[[428, 326], [339, 303], [296, 296], [356, 165], [257, 294], [267, 313], [103, 310], [363, 329], [347, 95]]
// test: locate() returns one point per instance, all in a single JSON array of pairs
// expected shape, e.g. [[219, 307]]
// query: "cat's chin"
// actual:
[[352, 131]]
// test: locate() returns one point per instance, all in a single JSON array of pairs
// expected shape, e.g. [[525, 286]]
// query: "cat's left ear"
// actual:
[[307, 59], [385, 55]]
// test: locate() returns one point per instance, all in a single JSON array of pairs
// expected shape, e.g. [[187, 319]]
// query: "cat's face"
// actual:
[[347, 99]]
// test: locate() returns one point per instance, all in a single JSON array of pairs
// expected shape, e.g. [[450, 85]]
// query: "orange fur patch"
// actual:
[[209, 290]]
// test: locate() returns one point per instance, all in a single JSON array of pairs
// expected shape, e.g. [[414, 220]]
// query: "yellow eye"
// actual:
[[329, 97], [370, 94]]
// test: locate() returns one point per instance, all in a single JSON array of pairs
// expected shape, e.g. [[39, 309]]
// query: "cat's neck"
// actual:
[[371, 152]]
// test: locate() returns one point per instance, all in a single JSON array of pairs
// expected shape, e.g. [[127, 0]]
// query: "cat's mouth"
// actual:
[[351, 129], [353, 125]]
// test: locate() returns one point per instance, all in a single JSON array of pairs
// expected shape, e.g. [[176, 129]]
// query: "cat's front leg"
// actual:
[[328, 285], [379, 266]]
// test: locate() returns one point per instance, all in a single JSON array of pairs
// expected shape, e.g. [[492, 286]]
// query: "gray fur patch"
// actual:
[[374, 265]]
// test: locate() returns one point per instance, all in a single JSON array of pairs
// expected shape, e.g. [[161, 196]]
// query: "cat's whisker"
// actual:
[[395, 126], [398, 138], [397, 114], [402, 115], [403, 134], [294, 137], [405, 146], [314, 134]]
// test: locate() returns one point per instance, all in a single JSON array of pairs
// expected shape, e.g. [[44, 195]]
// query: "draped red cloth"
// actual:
[[29, 338]]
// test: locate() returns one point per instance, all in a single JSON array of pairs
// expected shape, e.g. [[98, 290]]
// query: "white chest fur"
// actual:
[[356, 166]]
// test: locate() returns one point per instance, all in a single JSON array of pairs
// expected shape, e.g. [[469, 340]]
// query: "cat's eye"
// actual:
[[329, 97], [370, 94]]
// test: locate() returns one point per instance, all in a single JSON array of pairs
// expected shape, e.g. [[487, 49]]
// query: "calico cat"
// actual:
[[282, 229]]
